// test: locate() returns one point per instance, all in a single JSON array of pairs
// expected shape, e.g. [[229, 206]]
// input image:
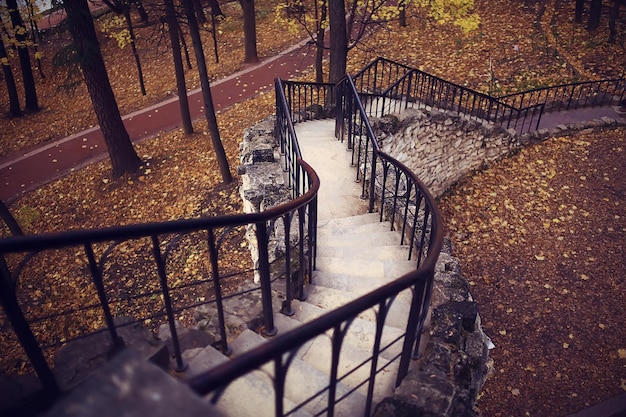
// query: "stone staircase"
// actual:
[[356, 253]]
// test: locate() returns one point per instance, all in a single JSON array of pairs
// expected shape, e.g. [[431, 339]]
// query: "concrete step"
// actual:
[[350, 221], [385, 270], [372, 239], [303, 381], [361, 332], [251, 395], [354, 229], [392, 252], [357, 285], [331, 299], [354, 362]]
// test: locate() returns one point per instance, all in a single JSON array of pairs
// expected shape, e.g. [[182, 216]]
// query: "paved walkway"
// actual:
[[21, 172], [24, 171]]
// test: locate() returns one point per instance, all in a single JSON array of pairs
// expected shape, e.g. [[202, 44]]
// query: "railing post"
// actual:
[[171, 320], [266, 286], [213, 255], [24, 334], [96, 274], [372, 182]]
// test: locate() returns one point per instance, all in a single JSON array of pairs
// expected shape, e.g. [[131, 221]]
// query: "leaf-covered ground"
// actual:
[[540, 235]]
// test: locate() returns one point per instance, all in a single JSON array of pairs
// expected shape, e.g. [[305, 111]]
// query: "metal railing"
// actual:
[[389, 87], [152, 256], [97, 251], [571, 96], [422, 224]]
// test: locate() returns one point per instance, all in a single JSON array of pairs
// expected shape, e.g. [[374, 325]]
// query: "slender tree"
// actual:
[[578, 13], [173, 30], [122, 7], [209, 110], [14, 100], [249, 30], [124, 159], [595, 12], [338, 40], [614, 14], [30, 92]]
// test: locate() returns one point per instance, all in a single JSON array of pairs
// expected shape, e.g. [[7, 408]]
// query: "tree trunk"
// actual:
[[199, 10], [249, 30], [181, 86], [28, 79], [595, 11], [319, 43], [338, 40], [124, 159], [209, 110], [580, 6], [402, 15], [133, 46], [612, 20], [14, 100], [215, 8], [142, 11]]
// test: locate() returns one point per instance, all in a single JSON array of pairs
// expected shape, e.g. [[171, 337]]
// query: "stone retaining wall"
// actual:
[[443, 146]]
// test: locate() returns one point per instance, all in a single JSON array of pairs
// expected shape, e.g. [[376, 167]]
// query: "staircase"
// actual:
[[356, 253]]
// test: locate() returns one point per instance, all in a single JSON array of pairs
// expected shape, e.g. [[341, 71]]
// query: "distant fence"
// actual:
[[387, 87]]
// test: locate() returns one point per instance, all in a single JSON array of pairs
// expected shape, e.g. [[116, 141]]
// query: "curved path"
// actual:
[[24, 171], [21, 172]]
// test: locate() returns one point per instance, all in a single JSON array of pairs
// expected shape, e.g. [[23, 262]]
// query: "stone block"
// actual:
[[131, 387]]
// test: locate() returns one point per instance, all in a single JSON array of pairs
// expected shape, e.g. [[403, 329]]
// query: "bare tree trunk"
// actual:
[[14, 100], [28, 79], [199, 10], [124, 159], [595, 12], [249, 30], [142, 11], [613, 19], [183, 101], [185, 49], [402, 16], [319, 42], [580, 6], [209, 110], [338, 40], [131, 30]]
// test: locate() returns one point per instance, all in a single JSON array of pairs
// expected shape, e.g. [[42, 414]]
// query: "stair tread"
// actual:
[[317, 353], [304, 380], [360, 239], [250, 394], [386, 252], [385, 270], [332, 298], [357, 285]]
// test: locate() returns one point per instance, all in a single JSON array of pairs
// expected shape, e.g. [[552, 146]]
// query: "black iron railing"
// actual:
[[102, 256], [422, 229], [152, 257], [389, 87], [571, 96]]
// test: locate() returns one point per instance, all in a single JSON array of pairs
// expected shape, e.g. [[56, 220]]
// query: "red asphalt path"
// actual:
[[22, 172]]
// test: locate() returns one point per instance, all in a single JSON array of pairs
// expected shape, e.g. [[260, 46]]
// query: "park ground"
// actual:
[[540, 235]]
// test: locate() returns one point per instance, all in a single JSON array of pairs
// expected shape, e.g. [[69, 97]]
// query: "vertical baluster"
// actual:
[[383, 188], [409, 188], [418, 204], [302, 261], [264, 272], [96, 276], [217, 287], [169, 311], [381, 316], [286, 309], [411, 331], [27, 339]]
